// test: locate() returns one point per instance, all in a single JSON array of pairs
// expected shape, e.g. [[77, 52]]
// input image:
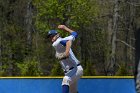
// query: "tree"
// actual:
[[76, 14]]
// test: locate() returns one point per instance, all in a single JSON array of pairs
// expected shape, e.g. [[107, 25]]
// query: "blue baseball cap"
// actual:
[[52, 33]]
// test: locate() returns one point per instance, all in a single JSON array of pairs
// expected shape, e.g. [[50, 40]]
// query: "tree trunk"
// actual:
[[0, 46], [137, 51], [111, 68], [132, 25], [126, 33], [137, 61], [28, 23]]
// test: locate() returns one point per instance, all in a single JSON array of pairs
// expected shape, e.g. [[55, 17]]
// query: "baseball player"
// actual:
[[70, 64]]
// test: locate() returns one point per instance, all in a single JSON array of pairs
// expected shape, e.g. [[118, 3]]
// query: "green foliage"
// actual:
[[71, 12], [89, 70], [29, 67], [122, 71], [57, 70], [2, 71], [93, 20]]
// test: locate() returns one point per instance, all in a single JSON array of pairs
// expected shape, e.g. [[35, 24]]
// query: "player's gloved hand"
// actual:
[[60, 56]]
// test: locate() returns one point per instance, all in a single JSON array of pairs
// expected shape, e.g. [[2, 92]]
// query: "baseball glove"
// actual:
[[60, 56]]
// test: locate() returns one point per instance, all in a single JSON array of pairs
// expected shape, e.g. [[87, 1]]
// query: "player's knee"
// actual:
[[80, 70], [66, 80]]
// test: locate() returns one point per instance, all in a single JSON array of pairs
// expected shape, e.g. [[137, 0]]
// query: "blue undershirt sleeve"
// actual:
[[63, 42], [74, 34]]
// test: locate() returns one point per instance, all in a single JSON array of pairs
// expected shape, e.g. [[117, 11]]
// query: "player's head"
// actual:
[[53, 35]]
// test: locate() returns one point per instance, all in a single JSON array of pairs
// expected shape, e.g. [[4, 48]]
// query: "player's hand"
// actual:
[[62, 27]]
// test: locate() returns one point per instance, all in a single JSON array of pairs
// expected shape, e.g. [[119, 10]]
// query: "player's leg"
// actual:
[[79, 71], [65, 84], [74, 80], [65, 89], [73, 87], [78, 74], [70, 78]]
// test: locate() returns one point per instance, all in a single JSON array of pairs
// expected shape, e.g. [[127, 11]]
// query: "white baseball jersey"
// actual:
[[71, 65], [60, 47]]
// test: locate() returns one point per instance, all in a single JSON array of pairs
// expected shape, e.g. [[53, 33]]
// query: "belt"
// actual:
[[78, 64], [71, 68]]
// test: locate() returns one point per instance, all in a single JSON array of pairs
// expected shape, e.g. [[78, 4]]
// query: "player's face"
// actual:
[[53, 38]]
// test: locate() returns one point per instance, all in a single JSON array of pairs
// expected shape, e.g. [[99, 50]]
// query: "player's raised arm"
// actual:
[[65, 28], [73, 34]]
